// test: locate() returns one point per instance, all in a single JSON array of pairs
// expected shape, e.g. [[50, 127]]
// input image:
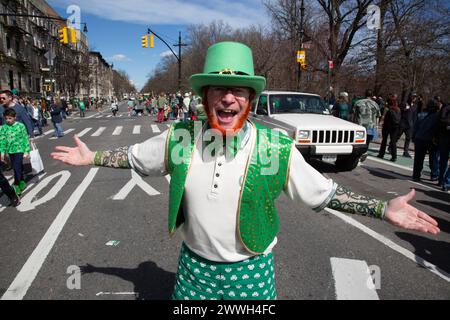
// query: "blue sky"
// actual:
[[115, 27]]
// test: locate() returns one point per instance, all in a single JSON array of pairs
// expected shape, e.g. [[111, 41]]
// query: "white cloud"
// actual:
[[167, 53], [119, 57], [175, 12]]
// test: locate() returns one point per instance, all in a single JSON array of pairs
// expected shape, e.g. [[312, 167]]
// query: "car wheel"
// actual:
[[347, 163]]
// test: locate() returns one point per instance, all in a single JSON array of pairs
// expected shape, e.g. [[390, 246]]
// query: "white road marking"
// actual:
[[408, 254], [389, 163], [28, 203], [117, 131], [19, 287], [109, 116], [68, 131], [82, 133], [137, 130], [136, 180], [49, 132], [98, 117], [115, 293], [98, 132], [155, 128], [90, 116], [352, 280]]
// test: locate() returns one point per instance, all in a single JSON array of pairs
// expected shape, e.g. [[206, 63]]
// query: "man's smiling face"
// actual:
[[228, 108]]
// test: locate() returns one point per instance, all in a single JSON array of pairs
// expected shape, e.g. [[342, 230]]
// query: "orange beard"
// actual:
[[214, 122]]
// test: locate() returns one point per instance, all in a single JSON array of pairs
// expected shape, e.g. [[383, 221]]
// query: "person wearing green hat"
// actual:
[[226, 173]]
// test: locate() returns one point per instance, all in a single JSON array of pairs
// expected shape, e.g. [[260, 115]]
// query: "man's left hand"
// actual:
[[401, 214]]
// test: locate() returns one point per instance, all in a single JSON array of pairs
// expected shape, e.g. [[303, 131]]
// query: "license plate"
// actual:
[[329, 158]]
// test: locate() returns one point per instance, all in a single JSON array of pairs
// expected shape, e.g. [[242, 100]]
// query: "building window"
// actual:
[[8, 42], [30, 83], [38, 85]]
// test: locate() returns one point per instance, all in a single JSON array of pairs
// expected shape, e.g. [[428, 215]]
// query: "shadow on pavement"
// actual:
[[442, 196], [433, 251], [150, 281]]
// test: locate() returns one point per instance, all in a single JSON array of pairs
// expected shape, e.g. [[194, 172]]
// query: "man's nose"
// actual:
[[228, 97]]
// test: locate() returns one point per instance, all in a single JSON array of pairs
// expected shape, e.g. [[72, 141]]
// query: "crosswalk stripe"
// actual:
[[69, 131], [82, 133], [117, 131], [98, 117], [109, 116], [137, 130], [98, 132], [155, 128], [90, 116], [49, 132]]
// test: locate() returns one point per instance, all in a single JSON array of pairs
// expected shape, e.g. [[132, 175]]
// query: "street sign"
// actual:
[[50, 55], [301, 56], [330, 64]]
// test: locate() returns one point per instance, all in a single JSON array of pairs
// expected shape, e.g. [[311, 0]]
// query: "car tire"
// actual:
[[347, 163]]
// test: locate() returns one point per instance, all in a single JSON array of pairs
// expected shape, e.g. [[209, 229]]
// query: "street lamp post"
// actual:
[[178, 57]]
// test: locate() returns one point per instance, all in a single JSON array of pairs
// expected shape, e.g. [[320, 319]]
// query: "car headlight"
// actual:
[[360, 135], [303, 134]]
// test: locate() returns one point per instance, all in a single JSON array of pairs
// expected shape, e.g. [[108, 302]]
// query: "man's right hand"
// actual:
[[78, 156]]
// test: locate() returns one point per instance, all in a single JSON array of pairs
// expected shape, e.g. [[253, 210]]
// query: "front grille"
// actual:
[[333, 136]]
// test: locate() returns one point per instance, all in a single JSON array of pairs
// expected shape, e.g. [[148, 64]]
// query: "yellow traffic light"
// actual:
[[63, 36], [152, 41], [73, 35], [144, 41]]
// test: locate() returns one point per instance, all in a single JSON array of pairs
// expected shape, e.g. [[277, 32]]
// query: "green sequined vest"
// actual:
[[265, 177]]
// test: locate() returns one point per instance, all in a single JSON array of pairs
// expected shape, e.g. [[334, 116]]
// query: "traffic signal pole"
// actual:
[[302, 32], [178, 57]]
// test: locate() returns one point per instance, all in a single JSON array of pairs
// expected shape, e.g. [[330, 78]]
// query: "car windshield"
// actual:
[[296, 103]]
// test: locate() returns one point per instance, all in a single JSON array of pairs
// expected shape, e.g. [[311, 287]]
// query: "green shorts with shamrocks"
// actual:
[[201, 279]]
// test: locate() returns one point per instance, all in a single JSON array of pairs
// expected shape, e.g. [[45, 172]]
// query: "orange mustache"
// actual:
[[214, 122]]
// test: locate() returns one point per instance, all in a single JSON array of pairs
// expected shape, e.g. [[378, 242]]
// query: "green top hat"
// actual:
[[228, 64]]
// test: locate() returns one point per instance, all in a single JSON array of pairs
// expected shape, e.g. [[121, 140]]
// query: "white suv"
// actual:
[[317, 134]]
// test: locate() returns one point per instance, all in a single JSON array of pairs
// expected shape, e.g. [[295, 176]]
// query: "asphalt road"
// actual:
[[69, 214]]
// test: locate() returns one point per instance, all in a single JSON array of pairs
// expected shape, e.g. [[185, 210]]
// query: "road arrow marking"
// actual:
[[136, 180], [19, 287]]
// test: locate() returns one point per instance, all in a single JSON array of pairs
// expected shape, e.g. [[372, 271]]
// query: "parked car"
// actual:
[[317, 134]]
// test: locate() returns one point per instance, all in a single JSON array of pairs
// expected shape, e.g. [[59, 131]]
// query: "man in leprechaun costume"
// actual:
[[226, 173]]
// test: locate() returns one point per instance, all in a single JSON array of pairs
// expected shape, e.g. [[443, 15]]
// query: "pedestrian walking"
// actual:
[[225, 199], [409, 117], [186, 102], [366, 113], [443, 138], [14, 143], [424, 141], [161, 105], [55, 112], [22, 116], [391, 125], [341, 108], [37, 116]]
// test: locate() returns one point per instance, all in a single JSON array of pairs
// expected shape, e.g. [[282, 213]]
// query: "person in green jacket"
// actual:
[[14, 142]]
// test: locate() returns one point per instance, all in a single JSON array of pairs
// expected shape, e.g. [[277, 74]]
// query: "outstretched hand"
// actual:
[[77, 156], [401, 214]]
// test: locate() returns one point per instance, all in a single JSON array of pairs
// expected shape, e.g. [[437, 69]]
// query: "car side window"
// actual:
[[262, 106]]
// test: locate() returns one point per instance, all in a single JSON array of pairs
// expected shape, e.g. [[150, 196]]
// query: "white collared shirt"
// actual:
[[212, 193]]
